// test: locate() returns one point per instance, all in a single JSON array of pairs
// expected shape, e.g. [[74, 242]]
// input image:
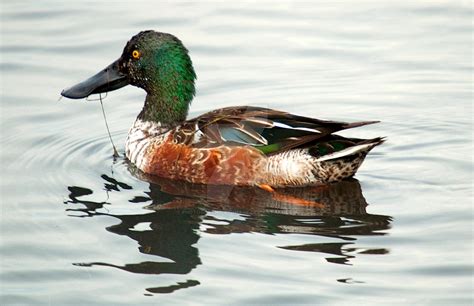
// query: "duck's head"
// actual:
[[158, 63]]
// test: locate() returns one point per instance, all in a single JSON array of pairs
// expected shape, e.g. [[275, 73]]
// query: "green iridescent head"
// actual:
[[158, 63]]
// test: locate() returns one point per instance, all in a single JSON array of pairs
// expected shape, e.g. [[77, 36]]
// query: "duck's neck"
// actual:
[[165, 110]]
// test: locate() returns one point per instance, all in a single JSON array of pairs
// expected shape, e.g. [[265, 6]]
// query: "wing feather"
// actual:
[[268, 130]]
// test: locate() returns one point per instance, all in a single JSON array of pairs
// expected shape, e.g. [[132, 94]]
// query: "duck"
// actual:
[[241, 145]]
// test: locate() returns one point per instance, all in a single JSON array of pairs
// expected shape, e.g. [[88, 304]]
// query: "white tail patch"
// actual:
[[347, 152]]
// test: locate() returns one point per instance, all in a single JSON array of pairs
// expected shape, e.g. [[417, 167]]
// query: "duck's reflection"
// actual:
[[177, 212]]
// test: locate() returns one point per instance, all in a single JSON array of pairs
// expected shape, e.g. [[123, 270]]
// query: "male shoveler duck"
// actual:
[[241, 145]]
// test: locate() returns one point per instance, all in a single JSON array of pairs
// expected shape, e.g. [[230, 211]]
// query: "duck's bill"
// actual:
[[106, 80]]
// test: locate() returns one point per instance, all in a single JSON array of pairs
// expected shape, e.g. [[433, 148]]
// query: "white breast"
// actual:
[[139, 138]]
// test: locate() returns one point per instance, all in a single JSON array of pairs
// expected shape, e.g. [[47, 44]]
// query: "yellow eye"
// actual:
[[136, 54]]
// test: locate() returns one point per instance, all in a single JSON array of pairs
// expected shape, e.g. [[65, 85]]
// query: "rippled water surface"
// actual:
[[78, 227]]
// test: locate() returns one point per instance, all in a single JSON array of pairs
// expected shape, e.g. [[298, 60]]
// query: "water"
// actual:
[[79, 228]]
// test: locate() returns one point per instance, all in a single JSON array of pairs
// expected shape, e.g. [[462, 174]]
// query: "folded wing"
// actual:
[[267, 130]]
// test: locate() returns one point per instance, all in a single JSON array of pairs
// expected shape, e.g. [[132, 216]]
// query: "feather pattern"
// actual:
[[268, 130], [249, 146]]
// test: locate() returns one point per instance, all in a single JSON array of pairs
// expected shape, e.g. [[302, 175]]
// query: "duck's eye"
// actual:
[[136, 54]]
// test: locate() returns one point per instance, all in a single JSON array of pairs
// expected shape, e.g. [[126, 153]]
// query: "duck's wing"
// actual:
[[267, 130]]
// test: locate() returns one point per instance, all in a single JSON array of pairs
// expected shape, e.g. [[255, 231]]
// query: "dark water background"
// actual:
[[79, 228]]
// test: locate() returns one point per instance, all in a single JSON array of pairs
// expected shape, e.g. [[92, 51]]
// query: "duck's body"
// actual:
[[231, 146], [247, 146]]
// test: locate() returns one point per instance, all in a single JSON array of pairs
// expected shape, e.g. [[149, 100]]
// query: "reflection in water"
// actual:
[[178, 211]]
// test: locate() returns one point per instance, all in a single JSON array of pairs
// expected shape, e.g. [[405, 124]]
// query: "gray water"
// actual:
[[78, 227]]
